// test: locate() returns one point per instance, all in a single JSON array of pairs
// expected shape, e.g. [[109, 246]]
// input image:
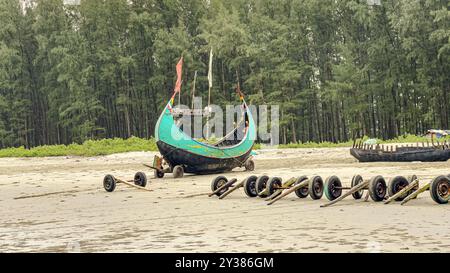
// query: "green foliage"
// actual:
[[325, 144], [88, 148], [337, 69], [135, 144], [412, 139]]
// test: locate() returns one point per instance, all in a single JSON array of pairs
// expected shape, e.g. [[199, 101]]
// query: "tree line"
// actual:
[[338, 69]]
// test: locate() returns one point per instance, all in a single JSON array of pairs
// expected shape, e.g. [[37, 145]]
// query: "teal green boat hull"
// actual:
[[177, 148]]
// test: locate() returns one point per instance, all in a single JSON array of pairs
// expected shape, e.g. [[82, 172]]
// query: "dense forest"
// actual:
[[338, 69]]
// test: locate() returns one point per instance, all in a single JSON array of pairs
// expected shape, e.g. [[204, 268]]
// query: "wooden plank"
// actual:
[[416, 193], [403, 191], [353, 190], [289, 191], [279, 191]]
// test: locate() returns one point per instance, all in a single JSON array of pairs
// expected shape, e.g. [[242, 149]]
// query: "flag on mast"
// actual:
[[210, 68], [179, 73]]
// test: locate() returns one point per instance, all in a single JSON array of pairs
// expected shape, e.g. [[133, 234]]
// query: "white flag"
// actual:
[[210, 68]]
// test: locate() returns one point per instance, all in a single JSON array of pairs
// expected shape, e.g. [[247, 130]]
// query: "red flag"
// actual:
[[239, 92], [179, 72]]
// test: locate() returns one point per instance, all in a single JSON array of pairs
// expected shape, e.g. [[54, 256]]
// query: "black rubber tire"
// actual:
[[273, 184], [315, 187], [440, 189], [377, 188], [302, 192], [109, 183], [158, 174], [178, 171], [356, 180], [331, 183], [411, 178], [261, 184], [140, 179], [249, 165], [217, 183], [395, 185], [250, 186]]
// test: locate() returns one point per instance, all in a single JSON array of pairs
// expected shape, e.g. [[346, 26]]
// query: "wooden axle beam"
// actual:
[[289, 191], [228, 184], [232, 189], [356, 188], [416, 193], [286, 185], [131, 184], [403, 191]]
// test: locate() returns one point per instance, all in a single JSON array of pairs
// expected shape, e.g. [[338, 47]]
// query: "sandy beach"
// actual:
[[59, 205]]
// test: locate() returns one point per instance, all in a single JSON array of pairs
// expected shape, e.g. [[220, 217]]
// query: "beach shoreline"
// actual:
[[59, 205]]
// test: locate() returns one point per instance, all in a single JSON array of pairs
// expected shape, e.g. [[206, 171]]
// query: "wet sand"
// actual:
[[59, 204]]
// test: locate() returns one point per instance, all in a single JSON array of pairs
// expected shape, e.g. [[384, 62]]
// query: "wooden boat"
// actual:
[[185, 154], [425, 153]]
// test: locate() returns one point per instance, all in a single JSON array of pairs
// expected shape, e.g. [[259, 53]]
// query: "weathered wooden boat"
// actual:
[[408, 153], [185, 154]]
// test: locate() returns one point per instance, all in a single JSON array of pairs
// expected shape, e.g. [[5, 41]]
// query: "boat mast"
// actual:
[[209, 92], [193, 90]]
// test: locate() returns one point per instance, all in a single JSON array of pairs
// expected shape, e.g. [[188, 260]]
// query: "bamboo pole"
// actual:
[[279, 191], [131, 184], [289, 191], [232, 189], [207, 117], [228, 184], [416, 193], [350, 192], [195, 195], [193, 90], [403, 191]]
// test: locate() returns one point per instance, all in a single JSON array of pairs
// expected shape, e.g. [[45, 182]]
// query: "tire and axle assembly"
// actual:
[[139, 181], [376, 186], [249, 165], [440, 189], [270, 188], [221, 186]]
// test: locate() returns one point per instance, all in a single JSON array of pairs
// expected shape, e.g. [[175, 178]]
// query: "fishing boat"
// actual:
[[188, 155], [407, 153], [181, 153]]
